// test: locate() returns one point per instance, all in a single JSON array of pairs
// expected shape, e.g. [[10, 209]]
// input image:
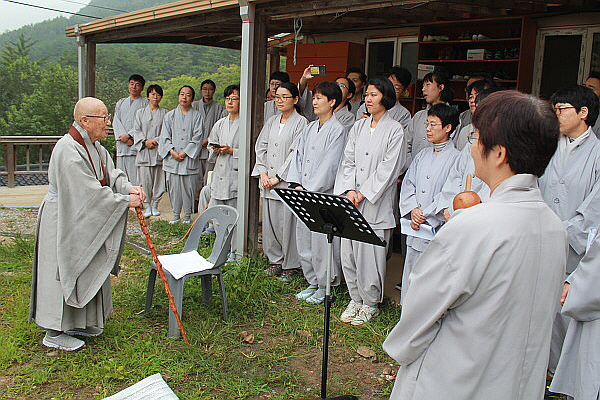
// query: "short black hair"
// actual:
[[447, 114], [330, 90], [402, 74], [440, 77], [593, 75], [351, 89], [483, 94], [293, 89], [280, 76], [578, 96], [230, 89], [210, 82], [156, 88], [137, 78], [356, 70], [189, 87], [525, 125], [387, 90], [481, 84]]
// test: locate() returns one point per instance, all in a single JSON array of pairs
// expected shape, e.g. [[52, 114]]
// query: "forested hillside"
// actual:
[[39, 70]]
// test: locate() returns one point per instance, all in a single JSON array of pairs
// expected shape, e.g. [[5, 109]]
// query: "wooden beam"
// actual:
[[90, 69]]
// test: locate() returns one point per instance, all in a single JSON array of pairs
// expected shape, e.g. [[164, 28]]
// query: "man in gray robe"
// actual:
[[80, 232], [578, 371], [593, 82], [476, 319], [571, 184], [123, 126]]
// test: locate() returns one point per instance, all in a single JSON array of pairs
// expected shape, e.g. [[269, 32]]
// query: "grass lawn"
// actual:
[[282, 362]]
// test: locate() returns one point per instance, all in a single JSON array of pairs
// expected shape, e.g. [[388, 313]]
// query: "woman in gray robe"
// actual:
[[476, 318], [370, 166], [147, 127], [80, 232], [571, 184], [274, 153], [179, 146], [316, 160], [578, 371], [423, 183]]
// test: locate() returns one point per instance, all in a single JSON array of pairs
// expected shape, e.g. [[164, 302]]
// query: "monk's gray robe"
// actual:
[[274, 153], [421, 188], [343, 115], [578, 371], [354, 106], [416, 134], [150, 174], [596, 127], [80, 234], [270, 110], [457, 179], [371, 164], [211, 112], [181, 133], [571, 188], [314, 165], [461, 135], [477, 316], [346, 118], [123, 122], [398, 113]]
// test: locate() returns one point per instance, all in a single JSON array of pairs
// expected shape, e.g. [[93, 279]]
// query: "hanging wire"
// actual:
[[297, 29]]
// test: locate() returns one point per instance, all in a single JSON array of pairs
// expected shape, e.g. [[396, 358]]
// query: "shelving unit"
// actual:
[[509, 44]]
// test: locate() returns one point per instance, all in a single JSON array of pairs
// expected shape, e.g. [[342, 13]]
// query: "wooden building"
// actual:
[[535, 46]]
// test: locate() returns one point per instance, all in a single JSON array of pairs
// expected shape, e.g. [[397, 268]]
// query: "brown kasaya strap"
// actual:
[[79, 139]]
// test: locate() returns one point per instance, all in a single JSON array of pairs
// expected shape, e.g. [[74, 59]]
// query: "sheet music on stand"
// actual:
[[316, 209]]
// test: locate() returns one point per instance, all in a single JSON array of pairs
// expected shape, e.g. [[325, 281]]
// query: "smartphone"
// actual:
[[215, 145], [317, 70]]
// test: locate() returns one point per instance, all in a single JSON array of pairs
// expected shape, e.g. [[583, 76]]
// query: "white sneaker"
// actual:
[[90, 331], [365, 314], [154, 210], [63, 342], [175, 220], [350, 312], [317, 297], [148, 212], [306, 293]]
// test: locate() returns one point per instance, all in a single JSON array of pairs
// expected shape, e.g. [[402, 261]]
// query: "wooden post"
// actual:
[[274, 60], [90, 69], [9, 161]]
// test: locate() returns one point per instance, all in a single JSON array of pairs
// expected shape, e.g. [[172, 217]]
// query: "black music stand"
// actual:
[[334, 216]]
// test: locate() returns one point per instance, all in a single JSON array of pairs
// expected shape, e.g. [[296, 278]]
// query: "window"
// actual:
[[384, 53]]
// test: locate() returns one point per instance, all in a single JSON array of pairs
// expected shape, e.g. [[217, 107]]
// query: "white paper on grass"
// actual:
[[181, 264], [425, 231], [150, 388]]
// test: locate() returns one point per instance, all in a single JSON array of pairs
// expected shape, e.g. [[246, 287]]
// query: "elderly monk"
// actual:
[[80, 232], [477, 317]]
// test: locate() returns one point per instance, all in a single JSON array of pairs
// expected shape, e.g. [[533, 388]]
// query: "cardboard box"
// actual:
[[424, 69], [475, 54]]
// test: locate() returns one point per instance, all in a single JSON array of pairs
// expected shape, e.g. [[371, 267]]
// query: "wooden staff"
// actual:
[[161, 273]]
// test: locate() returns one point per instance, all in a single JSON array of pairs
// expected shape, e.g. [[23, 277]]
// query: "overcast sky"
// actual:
[[13, 16]]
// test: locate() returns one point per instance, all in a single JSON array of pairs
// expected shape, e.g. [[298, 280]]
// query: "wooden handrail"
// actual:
[[10, 144]]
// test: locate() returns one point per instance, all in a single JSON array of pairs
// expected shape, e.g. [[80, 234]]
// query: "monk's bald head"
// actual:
[[88, 106]]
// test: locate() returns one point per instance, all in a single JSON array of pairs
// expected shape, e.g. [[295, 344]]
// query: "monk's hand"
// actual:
[[564, 294], [365, 115], [205, 143], [135, 200], [265, 181], [352, 196], [446, 215], [415, 227], [225, 149], [129, 142], [124, 137], [299, 187], [306, 75], [182, 155], [151, 143], [359, 197], [416, 216], [138, 191]]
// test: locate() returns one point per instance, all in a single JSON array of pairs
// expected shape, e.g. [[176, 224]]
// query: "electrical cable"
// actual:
[[91, 5], [297, 29], [52, 9]]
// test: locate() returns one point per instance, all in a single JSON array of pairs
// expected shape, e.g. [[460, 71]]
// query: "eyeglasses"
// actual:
[[282, 98], [232, 99], [104, 117], [559, 110], [431, 124], [472, 138], [274, 84], [341, 85]]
